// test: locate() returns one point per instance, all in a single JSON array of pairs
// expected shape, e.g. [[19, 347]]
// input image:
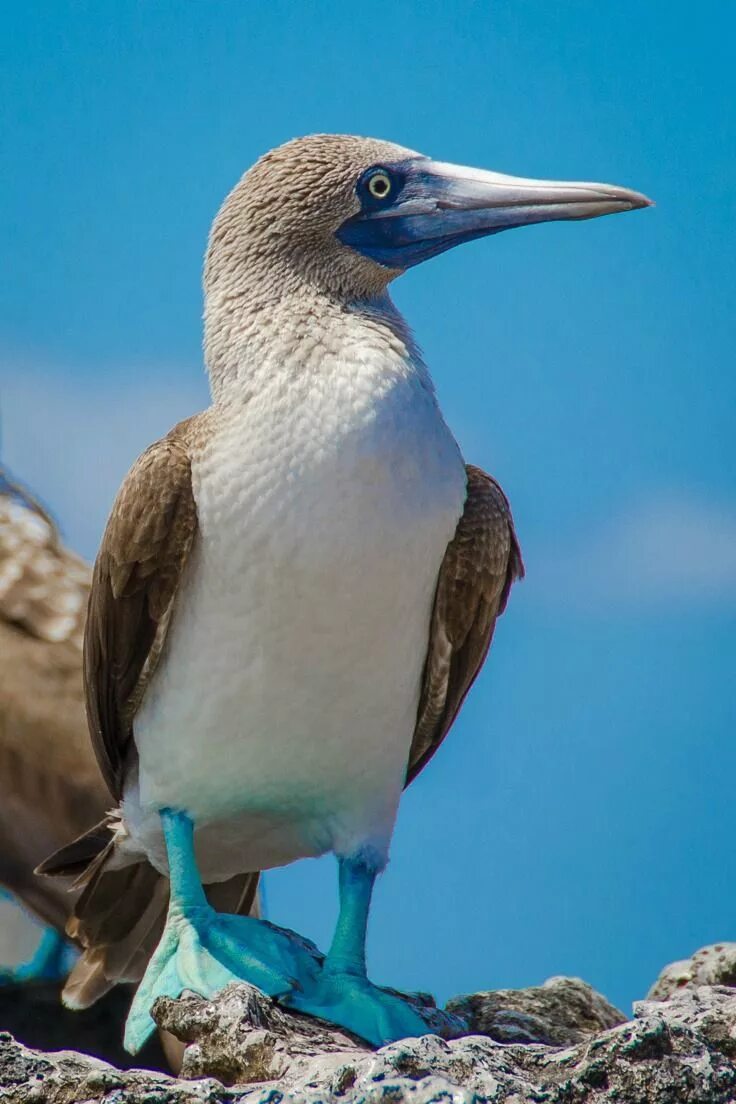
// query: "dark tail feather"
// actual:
[[75, 858], [120, 914]]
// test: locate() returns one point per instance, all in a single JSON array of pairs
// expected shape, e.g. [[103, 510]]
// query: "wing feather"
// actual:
[[480, 565], [134, 585]]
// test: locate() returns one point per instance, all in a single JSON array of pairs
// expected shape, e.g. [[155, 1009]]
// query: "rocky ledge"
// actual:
[[560, 1043]]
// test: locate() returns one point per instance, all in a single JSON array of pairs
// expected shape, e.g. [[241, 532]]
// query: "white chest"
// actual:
[[346, 467]]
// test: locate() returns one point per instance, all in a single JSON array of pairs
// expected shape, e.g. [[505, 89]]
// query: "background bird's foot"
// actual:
[[204, 951], [51, 961], [357, 1004]]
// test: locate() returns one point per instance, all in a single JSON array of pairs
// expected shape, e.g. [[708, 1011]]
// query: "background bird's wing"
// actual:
[[481, 563], [134, 585], [50, 785], [43, 585]]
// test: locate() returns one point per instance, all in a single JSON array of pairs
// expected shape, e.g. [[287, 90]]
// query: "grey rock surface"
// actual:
[[712, 965], [680, 1051], [560, 1012], [68, 1077], [242, 1036]]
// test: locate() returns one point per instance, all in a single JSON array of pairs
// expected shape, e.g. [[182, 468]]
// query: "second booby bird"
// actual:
[[50, 785], [296, 587]]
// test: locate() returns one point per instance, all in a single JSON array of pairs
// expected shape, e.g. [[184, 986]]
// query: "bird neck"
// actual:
[[250, 342]]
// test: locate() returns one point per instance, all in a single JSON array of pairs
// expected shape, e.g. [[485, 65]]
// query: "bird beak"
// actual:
[[441, 205]]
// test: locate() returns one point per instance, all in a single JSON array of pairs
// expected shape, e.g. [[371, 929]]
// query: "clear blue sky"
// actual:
[[581, 817]]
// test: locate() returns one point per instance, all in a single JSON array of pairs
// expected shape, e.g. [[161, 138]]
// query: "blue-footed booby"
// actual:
[[296, 587], [50, 785]]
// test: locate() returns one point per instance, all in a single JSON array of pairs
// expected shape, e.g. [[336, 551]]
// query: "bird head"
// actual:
[[350, 214]]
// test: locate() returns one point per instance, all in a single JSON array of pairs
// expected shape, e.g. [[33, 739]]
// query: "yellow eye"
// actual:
[[379, 185]]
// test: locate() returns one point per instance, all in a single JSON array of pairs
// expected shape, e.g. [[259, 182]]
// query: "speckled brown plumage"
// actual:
[[50, 786]]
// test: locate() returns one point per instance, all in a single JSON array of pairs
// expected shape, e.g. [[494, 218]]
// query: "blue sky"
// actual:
[[580, 819]]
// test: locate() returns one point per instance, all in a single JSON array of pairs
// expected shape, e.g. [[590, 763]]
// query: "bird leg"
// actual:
[[347, 950], [342, 992], [203, 950]]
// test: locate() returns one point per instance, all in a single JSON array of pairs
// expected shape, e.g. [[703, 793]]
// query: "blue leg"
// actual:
[[342, 992], [50, 961], [203, 950]]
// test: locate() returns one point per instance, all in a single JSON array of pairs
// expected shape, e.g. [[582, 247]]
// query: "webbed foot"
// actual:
[[204, 951], [360, 1006], [50, 961]]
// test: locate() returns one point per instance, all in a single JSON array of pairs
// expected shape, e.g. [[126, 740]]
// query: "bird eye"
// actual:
[[379, 185]]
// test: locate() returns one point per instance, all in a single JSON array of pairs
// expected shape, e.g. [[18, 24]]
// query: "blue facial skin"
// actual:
[[418, 218], [415, 208]]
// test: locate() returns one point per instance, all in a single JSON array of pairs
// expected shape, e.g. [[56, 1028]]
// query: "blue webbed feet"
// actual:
[[341, 992], [50, 961], [204, 951], [355, 1003]]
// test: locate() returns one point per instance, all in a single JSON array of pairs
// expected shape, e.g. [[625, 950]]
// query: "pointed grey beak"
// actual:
[[497, 201], [437, 206]]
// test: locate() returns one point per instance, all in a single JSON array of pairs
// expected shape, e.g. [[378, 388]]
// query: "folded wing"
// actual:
[[481, 563]]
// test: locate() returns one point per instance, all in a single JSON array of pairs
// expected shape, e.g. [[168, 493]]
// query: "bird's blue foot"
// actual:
[[204, 950], [342, 993], [355, 1003], [50, 961]]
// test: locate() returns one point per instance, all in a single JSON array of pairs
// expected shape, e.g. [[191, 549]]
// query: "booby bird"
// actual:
[[50, 784], [297, 587]]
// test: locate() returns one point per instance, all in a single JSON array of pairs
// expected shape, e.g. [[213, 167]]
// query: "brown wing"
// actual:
[[50, 785], [136, 576], [481, 562]]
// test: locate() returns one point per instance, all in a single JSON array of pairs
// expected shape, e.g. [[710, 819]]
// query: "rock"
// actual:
[[681, 1051], [713, 965], [242, 1036], [560, 1012], [67, 1077], [686, 1046]]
